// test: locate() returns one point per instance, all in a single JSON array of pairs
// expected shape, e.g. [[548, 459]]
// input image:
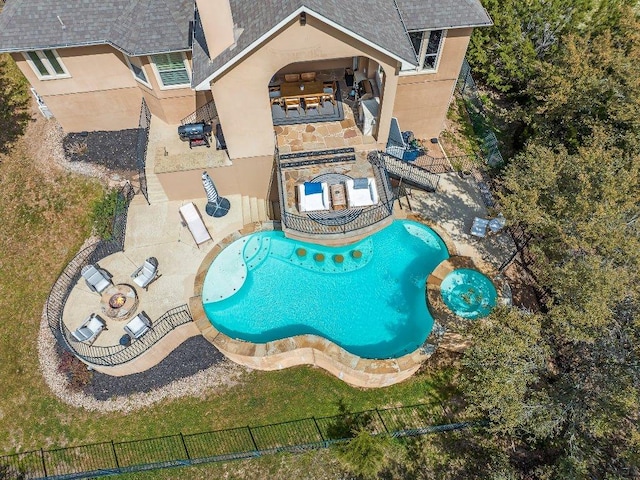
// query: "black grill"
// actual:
[[195, 133]]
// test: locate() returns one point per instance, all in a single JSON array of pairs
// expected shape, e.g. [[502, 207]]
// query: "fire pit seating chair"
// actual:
[[313, 196], [138, 325], [147, 273], [90, 329], [97, 279]]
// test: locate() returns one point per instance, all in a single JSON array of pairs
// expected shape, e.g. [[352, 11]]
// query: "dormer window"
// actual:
[[427, 45]]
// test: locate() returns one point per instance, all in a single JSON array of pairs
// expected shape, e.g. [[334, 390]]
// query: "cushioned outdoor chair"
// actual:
[[97, 279], [313, 196], [497, 224], [138, 325], [147, 273], [90, 329], [479, 227], [361, 192]]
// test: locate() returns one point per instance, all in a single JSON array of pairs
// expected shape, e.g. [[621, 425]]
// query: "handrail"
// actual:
[[207, 113], [410, 173]]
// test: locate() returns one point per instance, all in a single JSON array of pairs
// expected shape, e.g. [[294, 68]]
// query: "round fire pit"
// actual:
[[119, 301]]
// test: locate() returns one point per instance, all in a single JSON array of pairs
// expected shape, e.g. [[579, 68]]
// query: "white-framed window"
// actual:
[[171, 69], [46, 64], [427, 45], [137, 70]]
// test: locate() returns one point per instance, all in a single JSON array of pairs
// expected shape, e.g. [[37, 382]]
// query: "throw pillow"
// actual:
[[360, 183], [311, 188]]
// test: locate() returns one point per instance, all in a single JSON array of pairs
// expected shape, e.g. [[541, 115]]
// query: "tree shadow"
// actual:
[[14, 104]]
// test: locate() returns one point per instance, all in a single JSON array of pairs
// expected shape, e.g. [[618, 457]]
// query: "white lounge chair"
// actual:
[[193, 221], [313, 196], [90, 329], [138, 325], [479, 227], [361, 192], [96, 279], [147, 273]]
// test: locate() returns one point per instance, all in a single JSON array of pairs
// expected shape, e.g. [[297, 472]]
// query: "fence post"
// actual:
[[115, 455], [383, 424], [319, 431], [255, 445], [44, 465], [184, 444]]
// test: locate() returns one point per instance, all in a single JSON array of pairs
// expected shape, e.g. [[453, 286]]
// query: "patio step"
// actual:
[[253, 201], [155, 190], [246, 210], [262, 211]]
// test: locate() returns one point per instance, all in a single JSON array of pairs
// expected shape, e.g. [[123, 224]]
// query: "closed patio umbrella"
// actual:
[[217, 206]]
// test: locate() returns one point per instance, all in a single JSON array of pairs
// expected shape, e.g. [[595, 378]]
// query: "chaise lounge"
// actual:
[[361, 192], [313, 196], [90, 329], [193, 221]]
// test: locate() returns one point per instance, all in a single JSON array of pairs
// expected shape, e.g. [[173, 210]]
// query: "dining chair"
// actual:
[[329, 92], [311, 102], [291, 104], [308, 77], [292, 77], [275, 95]]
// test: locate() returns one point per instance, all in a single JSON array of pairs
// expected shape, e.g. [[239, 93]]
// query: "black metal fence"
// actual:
[[102, 248], [479, 118], [207, 113], [141, 148], [111, 458], [410, 173]]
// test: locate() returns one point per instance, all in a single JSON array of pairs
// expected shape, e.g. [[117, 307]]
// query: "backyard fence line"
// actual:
[[521, 237], [113, 458]]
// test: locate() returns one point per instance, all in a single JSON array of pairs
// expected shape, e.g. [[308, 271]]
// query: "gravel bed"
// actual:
[[192, 356], [115, 151]]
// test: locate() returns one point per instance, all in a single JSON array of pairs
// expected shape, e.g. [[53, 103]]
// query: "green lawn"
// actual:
[[44, 216]]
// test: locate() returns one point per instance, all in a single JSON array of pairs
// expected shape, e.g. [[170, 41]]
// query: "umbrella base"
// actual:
[[219, 208]]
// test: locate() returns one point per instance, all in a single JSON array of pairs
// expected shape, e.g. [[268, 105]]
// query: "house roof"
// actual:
[[136, 27], [441, 14], [257, 19]]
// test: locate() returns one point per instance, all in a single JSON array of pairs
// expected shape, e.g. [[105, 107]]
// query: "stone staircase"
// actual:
[[253, 210]]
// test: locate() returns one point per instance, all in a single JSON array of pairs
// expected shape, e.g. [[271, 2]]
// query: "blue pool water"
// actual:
[[468, 293], [265, 287]]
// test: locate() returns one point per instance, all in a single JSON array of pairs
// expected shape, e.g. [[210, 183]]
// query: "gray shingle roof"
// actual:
[[134, 26], [377, 21], [436, 14]]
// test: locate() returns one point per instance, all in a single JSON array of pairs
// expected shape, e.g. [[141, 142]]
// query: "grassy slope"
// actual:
[[44, 220]]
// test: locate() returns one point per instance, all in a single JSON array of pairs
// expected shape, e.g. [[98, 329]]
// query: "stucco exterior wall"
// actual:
[[247, 176], [241, 94], [101, 93], [422, 100]]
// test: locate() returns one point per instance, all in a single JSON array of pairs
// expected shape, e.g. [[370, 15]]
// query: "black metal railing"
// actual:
[[347, 222], [207, 113], [118, 354], [141, 148], [102, 248], [112, 458], [409, 173], [57, 299]]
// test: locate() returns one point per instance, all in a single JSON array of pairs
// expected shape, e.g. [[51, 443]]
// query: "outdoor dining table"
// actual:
[[292, 89]]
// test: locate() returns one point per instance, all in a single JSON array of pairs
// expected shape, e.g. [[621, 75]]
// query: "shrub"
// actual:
[[76, 371], [104, 212]]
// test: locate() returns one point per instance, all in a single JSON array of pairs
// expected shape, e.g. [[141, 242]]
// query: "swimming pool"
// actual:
[[367, 297]]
